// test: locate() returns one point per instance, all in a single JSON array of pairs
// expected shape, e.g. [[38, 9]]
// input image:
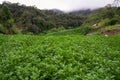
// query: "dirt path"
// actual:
[[111, 32]]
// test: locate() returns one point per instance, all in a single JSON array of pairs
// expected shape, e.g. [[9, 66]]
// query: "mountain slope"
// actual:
[[31, 19]]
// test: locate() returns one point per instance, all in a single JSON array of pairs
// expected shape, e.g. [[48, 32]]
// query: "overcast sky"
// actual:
[[65, 5]]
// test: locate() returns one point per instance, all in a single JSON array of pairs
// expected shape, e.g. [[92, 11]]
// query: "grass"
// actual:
[[111, 27], [76, 31], [63, 57]]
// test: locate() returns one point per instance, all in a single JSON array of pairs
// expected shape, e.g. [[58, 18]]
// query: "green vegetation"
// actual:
[[76, 31], [6, 20], [60, 51], [104, 17], [29, 19], [25, 57]]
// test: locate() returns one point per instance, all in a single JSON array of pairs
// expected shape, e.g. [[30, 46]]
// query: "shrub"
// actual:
[[33, 29], [84, 30], [113, 21], [104, 22], [3, 29], [15, 30], [57, 29]]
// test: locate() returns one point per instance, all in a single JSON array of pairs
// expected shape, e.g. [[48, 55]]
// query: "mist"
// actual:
[[64, 5]]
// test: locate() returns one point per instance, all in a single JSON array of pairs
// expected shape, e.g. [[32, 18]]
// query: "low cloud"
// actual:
[[65, 5]]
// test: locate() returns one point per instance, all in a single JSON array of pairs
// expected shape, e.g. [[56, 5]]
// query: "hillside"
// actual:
[[30, 19], [104, 20], [82, 12]]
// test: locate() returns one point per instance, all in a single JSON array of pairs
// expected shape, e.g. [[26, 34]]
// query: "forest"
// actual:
[[30, 19], [16, 18]]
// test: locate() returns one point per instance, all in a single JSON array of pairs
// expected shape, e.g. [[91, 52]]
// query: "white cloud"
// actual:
[[65, 5]]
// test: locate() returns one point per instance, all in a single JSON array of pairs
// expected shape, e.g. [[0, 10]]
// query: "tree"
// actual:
[[6, 18], [5, 13]]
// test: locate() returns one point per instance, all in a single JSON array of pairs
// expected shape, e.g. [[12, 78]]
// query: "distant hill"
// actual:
[[104, 17], [83, 12], [29, 19], [32, 19], [57, 11]]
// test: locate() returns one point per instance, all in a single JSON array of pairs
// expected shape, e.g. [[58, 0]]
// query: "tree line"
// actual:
[[16, 18], [30, 19]]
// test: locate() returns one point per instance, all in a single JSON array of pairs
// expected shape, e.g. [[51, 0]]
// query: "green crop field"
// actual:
[[65, 57]]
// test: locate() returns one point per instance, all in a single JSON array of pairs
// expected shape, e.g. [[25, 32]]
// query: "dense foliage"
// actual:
[[76, 31], [104, 17], [6, 20], [24, 57], [30, 19], [59, 54]]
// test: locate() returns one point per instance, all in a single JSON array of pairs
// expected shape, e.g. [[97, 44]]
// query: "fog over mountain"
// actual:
[[64, 5]]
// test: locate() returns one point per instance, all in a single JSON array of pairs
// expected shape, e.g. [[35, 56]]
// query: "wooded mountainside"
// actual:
[[28, 18], [25, 19]]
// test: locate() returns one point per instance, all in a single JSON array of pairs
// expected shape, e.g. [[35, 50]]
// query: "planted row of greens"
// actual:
[[26, 57]]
